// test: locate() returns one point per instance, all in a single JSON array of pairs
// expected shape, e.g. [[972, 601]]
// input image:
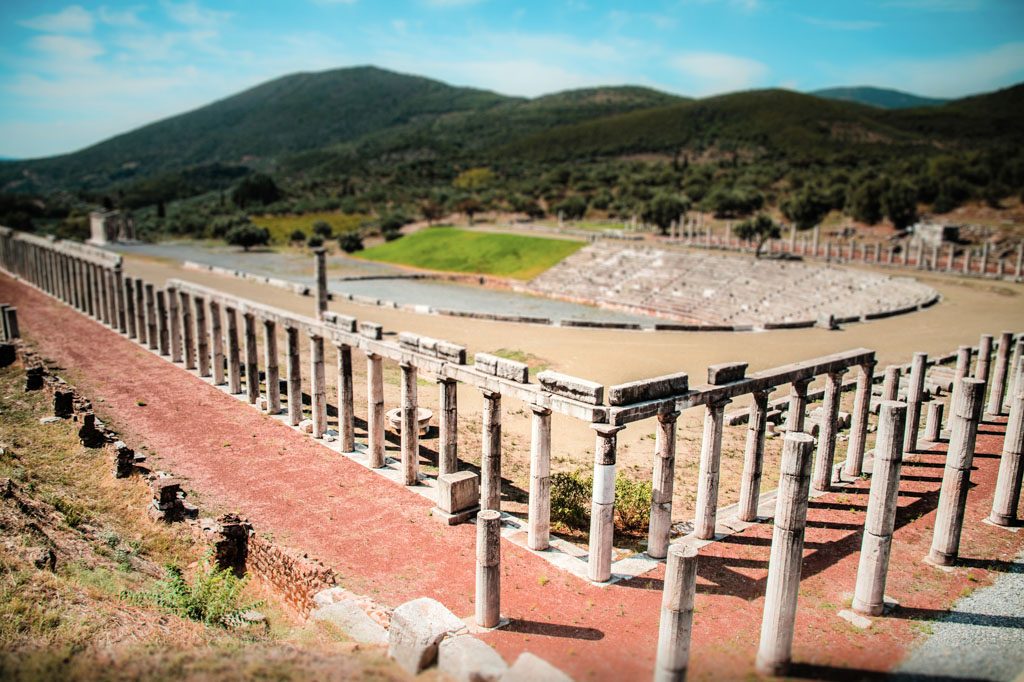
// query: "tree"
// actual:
[[900, 205], [323, 229], [572, 208], [298, 236], [256, 189], [474, 179], [470, 206], [864, 202], [762, 228], [315, 242], [664, 209], [431, 211], [806, 208], [350, 242], [247, 236]]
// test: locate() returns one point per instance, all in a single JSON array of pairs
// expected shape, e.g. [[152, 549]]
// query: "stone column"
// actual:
[[753, 457], [129, 297], [981, 370], [140, 310], [490, 462], [161, 323], [252, 369], [216, 343], [270, 362], [797, 405], [950, 258], [854, 465], [933, 424], [346, 409], [10, 321], [187, 339], [869, 595], [122, 310], [710, 460], [602, 505], [676, 615], [829, 429], [321, 281], [101, 285], [1018, 271], [984, 259], [660, 525], [234, 354], [539, 519], [956, 476], [915, 394], [410, 426], [174, 322], [294, 371], [448, 445], [151, 333], [891, 383], [776, 646], [318, 388], [967, 260], [878, 253], [1008, 484], [111, 289], [920, 255], [816, 237], [202, 337], [488, 568], [375, 409], [934, 263], [995, 399]]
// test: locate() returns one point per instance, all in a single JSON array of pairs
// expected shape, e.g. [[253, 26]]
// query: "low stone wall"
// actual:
[[297, 578]]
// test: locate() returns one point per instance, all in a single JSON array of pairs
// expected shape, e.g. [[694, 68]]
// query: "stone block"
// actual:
[[585, 391], [409, 341], [343, 322], [451, 352], [649, 389], [34, 378], [350, 619], [530, 668], [726, 373], [371, 330], [500, 367], [467, 659], [63, 404], [486, 363], [306, 426], [417, 628], [165, 492], [458, 492], [7, 354]]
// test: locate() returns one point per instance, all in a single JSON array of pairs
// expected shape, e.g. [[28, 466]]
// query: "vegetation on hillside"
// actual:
[[488, 253]]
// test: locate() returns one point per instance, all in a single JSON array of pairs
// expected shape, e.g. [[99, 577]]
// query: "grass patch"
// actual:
[[282, 226], [453, 250]]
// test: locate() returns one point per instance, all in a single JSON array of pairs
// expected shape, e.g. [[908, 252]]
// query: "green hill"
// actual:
[[879, 97]]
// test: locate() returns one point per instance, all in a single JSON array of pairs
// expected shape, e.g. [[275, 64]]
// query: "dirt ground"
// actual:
[[380, 540], [968, 309]]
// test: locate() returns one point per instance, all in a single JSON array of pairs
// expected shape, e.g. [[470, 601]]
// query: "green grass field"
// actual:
[[454, 250], [282, 226]]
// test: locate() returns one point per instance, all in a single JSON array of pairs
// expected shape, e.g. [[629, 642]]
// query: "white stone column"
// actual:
[[202, 337], [216, 343], [602, 505], [293, 369], [161, 322], [252, 369], [915, 394], [539, 513], [797, 405], [346, 400], [933, 423], [869, 596], [855, 448], [956, 476], [753, 457], [710, 461], [410, 426], [129, 286], [234, 353], [448, 426], [676, 622], [270, 361], [660, 526], [828, 430], [488, 568], [318, 387], [187, 333], [174, 318], [321, 281], [963, 369], [775, 650], [375, 409], [981, 370], [891, 383], [1008, 484], [490, 461], [999, 374], [122, 311], [151, 335]]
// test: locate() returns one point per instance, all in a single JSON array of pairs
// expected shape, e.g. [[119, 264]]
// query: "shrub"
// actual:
[[323, 229], [247, 236], [632, 505], [350, 242], [315, 242], [298, 236], [571, 495], [213, 598]]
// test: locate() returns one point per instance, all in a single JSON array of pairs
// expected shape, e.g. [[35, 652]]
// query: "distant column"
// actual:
[[346, 398], [753, 457], [995, 399], [891, 383], [375, 409], [539, 525], [410, 425], [829, 428], [270, 361], [174, 319], [140, 311], [490, 462], [161, 322], [202, 337], [318, 389], [252, 369], [217, 343], [151, 334], [187, 338], [981, 370], [855, 448], [660, 524], [234, 352], [129, 299], [797, 405], [710, 462], [448, 447], [915, 394], [321, 281], [294, 371]]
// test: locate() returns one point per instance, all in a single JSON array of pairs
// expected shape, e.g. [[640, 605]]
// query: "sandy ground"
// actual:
[[968, 309]]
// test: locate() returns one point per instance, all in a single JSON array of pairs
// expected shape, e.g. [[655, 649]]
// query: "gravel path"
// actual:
[[982, 638]]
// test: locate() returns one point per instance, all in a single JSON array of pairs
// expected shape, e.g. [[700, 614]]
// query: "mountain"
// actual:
[[879, 97]]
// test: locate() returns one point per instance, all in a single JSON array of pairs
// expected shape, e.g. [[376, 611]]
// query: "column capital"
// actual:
[[668, 417], [800, 385], [607, 430], [719, 405], [837, 374], [540, 410], [445, 380], [762, 395], [489, 394]]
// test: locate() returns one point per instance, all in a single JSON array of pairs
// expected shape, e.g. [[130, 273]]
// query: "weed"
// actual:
[[571, 495]]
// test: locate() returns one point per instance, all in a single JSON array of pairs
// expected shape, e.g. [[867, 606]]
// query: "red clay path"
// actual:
[[381, 541]]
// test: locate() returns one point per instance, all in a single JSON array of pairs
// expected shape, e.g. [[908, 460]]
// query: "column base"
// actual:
[[941, 558]]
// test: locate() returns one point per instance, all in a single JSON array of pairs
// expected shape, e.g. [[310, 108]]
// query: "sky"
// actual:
[[75, 73]]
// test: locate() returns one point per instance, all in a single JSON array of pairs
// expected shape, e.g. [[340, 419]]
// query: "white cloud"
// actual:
[[937, 5], [841, 24], [71, 19], [193, 14], [717, 72], [66, 49], [125, 18], [947, 76]]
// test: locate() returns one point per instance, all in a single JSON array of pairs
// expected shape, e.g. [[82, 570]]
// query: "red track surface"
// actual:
[[381, 541]]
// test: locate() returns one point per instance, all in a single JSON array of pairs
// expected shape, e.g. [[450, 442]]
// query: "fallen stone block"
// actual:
[[467, 659], [417, 628], [306, 426], [585, 391], [350, 619], [726, 373], [649, 389], [530, 668], [458, 497]]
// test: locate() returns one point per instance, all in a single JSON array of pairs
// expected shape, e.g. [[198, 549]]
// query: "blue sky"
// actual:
[[72, 74]]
